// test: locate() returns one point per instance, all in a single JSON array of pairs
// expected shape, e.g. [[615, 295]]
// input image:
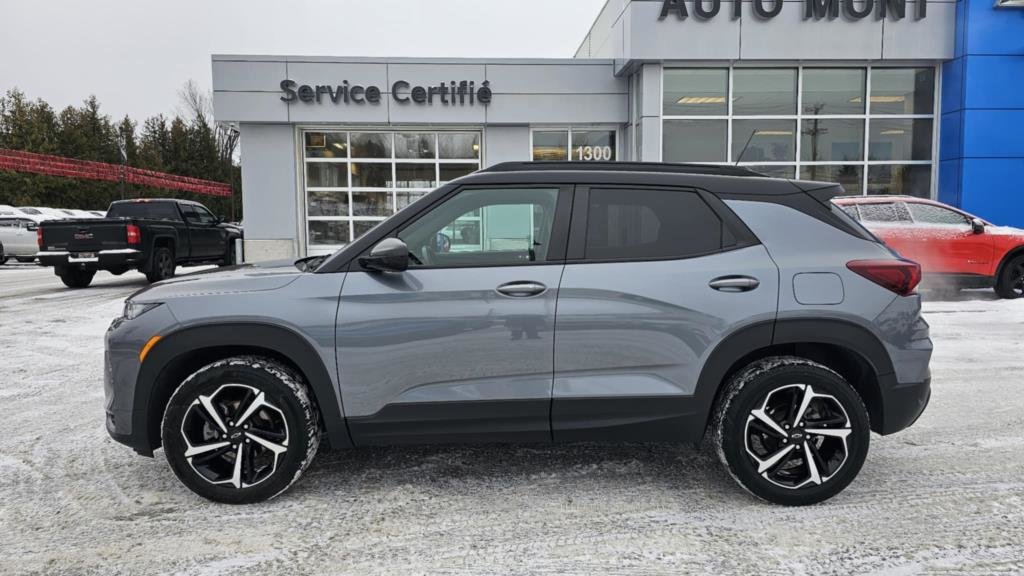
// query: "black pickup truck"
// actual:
[[153, 236]]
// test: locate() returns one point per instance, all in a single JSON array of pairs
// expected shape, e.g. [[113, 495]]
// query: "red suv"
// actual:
[[962, 250]]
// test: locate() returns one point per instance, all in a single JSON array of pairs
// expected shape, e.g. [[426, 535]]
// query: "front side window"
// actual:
[[649, 224], [484, 227], [931, 214]]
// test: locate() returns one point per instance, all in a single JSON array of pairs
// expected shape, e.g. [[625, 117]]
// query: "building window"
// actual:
[[870, 129], [578, 144], [356, 179]]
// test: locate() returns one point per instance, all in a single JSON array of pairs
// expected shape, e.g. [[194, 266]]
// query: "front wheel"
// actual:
[[77, 278], [162, 267], [791, 431], [1010, 283], [240, 430]]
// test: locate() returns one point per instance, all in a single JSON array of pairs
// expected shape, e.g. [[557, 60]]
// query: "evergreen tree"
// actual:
[[187, 146]]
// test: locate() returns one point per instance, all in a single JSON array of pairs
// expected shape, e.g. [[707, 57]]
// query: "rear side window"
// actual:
[[930, 214], [154, 210], [649, 224], [882, 212]]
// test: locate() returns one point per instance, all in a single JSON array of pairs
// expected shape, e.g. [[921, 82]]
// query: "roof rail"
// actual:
[[663, 167]]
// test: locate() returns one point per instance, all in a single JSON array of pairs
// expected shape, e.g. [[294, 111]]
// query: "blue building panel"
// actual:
[[950, 136], [993, 30], [994, 81], [981, 149], [991, 133], [992, 189]]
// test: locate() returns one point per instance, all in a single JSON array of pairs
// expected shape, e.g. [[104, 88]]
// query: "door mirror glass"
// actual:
[[32, 227], [977, 226], [389, 255]]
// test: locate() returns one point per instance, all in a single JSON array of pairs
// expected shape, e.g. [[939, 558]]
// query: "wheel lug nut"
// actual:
[[247, 440]]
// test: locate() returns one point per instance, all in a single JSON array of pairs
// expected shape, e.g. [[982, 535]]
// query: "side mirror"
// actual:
[[32, 227], [221, 219], [389, 255], [977, 226]]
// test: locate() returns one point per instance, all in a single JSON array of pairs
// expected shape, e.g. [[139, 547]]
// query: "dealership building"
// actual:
[[881, 96]]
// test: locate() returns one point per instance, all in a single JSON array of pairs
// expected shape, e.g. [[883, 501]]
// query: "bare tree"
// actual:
[[198, 104]]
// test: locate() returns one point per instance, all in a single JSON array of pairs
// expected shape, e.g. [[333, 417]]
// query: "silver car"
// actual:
[[17, 236], [541, 302]]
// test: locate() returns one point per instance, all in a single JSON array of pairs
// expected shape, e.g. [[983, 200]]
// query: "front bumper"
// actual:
[[126, 414], [101, 260]]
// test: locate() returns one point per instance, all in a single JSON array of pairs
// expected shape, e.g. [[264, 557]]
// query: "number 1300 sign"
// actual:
[[593, 153]]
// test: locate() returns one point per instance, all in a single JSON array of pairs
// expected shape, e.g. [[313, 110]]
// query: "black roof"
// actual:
[[145, 200], [659, 167]]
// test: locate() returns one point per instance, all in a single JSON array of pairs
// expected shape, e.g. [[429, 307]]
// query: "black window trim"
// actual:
[[742, 236], [559, 227]]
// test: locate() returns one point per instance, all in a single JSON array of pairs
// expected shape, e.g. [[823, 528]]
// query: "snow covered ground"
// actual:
[[945, 496]]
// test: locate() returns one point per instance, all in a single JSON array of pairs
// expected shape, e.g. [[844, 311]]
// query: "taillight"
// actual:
[[39, 236], [134, 234], [899, 276]]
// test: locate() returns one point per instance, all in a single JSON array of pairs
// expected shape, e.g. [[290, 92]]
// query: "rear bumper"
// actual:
[[903, 404], [101, 260]]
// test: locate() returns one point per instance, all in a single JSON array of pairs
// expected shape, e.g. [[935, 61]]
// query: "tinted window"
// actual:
[[886, 212], [643, 224], [931, 214], [154, 210], [7, 222]]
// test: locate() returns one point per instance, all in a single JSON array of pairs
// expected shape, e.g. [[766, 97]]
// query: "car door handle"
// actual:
[[521, 289], [734, 283]]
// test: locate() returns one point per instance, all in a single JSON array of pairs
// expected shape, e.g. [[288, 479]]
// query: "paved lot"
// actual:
[[946, 496]]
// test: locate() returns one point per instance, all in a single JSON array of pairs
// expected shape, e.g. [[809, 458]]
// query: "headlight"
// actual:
[[133, 310]]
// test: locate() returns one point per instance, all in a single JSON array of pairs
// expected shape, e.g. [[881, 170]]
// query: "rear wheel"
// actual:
[[791, 431], [1010, 283], [162, 266], [240, 430], [25, 259], [77, 278]]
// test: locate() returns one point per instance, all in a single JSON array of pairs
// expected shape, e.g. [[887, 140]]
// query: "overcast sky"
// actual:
[[134, 55]]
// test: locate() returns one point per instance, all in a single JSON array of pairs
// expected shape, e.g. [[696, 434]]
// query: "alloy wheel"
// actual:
[[797, 437], [234, 436]]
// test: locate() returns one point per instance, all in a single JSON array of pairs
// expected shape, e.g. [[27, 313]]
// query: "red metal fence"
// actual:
[[19, 161]]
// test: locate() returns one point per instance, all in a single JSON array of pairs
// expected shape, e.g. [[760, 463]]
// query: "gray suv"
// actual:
[[541, 302]]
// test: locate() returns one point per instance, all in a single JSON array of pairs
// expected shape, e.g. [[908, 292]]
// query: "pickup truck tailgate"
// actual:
[[85, 235]]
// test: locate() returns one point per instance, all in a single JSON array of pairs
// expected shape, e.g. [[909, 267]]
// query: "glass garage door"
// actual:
[[355, 179]]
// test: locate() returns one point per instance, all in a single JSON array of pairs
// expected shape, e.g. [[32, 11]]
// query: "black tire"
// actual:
[[3, 259], [162, 265], [1010, 283], [247, 379], [25, 260], [229, 257], [769, 386], [77, 278]]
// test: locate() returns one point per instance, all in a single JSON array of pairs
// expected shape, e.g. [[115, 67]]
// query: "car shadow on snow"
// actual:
[[500, 467]]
